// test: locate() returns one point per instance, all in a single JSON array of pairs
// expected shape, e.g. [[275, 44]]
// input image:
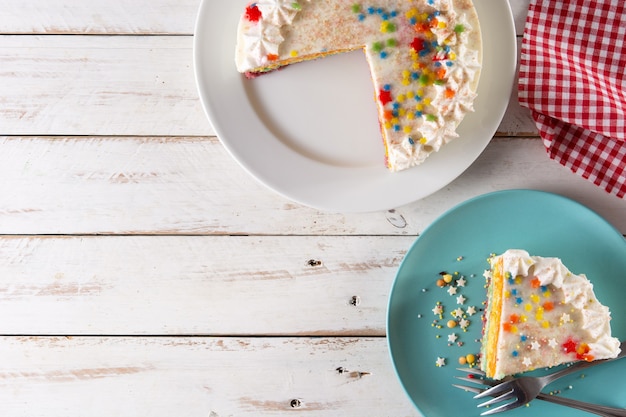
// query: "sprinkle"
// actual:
[[387, 27], [438, 309], [384, 96], [253, 14], [452, 337], [471, 310], [527, 361], [356, 8], [459, 29], [452, 291], [440, 362]]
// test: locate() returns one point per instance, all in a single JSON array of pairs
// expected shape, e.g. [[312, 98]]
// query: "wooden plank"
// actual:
[[98, 17], [229, 285], [123, 17], [129, 85], [131, 185], [208, 377], [97, 85]]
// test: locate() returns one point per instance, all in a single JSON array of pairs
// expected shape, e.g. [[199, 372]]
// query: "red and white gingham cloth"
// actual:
[[573, 79]]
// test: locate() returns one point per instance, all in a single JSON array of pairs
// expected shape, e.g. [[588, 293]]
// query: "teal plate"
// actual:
[[460, 241]]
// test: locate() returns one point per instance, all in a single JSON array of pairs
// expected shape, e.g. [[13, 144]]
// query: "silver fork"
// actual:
[[524, 389], [591, 408]]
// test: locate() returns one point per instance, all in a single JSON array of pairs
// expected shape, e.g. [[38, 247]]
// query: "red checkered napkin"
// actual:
[[573, 79]]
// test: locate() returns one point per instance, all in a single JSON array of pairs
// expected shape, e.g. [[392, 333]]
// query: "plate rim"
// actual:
[[315, 193]]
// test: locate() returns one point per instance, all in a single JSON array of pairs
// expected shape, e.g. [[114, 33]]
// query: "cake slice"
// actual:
[[424, 57], [539, 314]]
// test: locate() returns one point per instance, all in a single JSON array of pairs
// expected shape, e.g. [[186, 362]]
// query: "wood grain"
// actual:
[[71, 17], [183, 185], [207, 377], [99, 85], [184, 285]]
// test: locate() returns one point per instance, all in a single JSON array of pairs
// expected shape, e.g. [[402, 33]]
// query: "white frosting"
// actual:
[[259, 40], [278, 12]]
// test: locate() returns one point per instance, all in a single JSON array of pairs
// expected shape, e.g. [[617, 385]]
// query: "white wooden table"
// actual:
[[144, 273]]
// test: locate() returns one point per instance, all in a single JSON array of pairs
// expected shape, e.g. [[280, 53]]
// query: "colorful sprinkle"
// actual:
[[253, 13]]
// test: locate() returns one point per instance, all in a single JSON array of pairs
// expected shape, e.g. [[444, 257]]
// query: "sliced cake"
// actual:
[[540, 314]]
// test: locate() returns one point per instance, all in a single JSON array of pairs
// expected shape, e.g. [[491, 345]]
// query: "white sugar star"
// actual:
[[471, 310], [463, 323], [565, 318], [460, 299], [461, 282], [440, 362], [438, 309], [452, 290], [487, 274], [452, 338], [527, 361], [552, 343], [458, 312], [534, 345]]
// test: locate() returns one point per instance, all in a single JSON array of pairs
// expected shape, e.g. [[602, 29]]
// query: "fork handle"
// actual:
[[600, 410]]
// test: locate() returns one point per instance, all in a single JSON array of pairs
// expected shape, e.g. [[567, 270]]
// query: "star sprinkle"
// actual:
[[452, 290], [458, 312], [552, 343], [461, 299], [471, 310], [452, 337], [527, 362], [461, 282], [464, 323], [440, 362], [534, 345], [438, 309]]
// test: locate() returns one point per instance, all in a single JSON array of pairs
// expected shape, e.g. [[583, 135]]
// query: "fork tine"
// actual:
[[495, 390], [502, 408], [506, 396]]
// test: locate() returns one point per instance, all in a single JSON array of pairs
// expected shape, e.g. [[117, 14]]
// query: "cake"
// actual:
[[539, 314], [424, 57]]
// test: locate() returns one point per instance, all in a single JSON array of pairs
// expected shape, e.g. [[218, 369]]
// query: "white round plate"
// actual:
[[310, 131]]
